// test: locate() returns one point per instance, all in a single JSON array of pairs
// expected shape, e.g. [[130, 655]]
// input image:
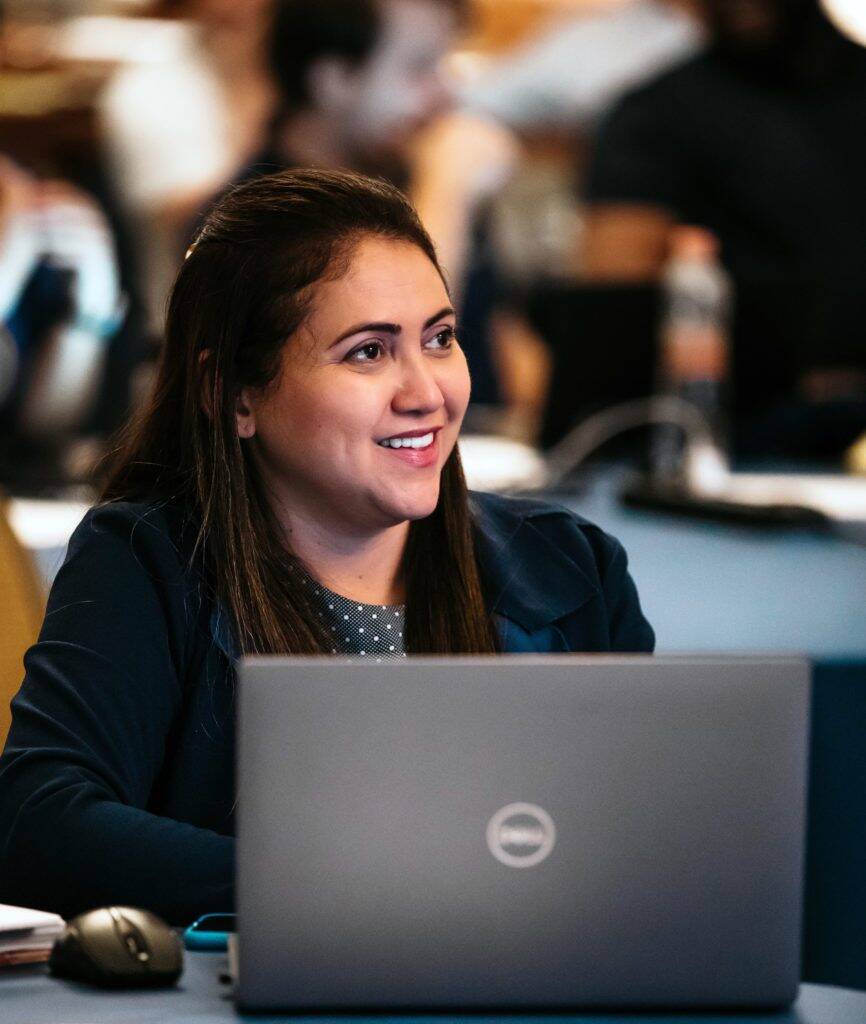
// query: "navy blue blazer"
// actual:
[[117, 780]]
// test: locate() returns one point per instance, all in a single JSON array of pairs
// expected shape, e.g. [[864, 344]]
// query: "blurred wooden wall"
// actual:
[[22, 605], [498, 25]]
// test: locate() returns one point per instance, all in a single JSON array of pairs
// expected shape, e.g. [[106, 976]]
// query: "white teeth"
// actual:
[[408, 442]]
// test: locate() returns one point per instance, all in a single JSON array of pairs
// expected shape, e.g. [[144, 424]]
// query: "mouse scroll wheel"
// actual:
[[132, 937], [135, 950]]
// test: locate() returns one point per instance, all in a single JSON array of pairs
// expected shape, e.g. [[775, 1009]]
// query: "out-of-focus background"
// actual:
[[632, 198], [652, 214]]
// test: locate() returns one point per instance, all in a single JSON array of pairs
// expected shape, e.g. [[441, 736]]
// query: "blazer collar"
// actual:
[[528, 578]]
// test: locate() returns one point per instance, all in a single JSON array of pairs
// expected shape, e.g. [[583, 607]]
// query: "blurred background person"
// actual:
[[61, 307], [552, 87], [176, 127], [360, 84], [762, 141]]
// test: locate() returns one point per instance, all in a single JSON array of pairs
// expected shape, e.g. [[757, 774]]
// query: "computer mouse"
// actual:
[[118, 947]]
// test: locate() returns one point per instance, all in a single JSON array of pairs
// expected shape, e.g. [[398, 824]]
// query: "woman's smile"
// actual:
[[414, 448]]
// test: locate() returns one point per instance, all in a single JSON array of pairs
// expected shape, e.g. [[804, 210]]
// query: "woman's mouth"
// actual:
[[424, 441], [419, 451]]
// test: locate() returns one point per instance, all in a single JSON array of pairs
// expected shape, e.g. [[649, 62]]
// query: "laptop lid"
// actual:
[[520, 831]]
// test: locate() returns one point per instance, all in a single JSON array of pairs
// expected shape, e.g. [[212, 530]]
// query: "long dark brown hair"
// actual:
[[242, 292]]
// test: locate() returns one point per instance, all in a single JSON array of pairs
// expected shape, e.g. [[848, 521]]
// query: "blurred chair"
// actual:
[[22, 606], [583, 326]]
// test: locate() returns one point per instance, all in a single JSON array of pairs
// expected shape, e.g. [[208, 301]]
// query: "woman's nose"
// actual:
[[418, 388]]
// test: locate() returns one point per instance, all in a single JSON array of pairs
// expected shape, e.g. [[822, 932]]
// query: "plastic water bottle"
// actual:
[[693, 353]]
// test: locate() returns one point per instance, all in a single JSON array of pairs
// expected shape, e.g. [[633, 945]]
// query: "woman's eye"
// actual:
[[368, 353], [444, 338]]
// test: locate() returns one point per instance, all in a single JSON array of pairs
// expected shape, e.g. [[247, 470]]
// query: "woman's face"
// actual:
[[375, 361]]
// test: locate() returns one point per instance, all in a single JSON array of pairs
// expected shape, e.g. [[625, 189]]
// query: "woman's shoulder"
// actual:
[[543, 563], [156, 519], [128, 582], [541, 540], [501, 516], [152, 537]]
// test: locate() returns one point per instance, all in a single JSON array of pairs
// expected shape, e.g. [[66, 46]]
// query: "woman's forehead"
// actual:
[[386, 281]]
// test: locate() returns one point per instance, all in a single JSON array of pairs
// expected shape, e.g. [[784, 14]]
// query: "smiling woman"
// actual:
[[309, 323], [294, 486], [352, 437]]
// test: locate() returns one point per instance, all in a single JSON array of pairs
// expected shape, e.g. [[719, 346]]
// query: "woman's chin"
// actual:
[[408, 506]]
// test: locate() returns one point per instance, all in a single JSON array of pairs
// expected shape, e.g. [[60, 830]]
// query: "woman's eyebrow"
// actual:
[[388, 328], [445, 311], [381, 327]]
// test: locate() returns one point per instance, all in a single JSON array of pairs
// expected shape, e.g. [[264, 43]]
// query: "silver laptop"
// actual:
[[520, 832]]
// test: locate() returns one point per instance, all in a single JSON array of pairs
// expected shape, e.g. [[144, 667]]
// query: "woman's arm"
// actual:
[[90, 733]]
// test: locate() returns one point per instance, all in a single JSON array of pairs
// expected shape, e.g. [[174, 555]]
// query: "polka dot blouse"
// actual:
[[368, 630]]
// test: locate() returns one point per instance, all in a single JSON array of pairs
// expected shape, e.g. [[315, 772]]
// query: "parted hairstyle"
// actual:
[[242, 293]]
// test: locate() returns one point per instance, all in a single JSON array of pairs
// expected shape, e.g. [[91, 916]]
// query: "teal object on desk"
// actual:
[[210, 933]]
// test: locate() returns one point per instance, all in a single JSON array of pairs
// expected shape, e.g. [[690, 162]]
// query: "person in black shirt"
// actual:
[[762, 140]]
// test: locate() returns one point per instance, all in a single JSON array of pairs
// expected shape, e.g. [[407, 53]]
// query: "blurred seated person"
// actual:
[[293, 486], [762, 140], [175, 127], [60, 308], [360, 85]]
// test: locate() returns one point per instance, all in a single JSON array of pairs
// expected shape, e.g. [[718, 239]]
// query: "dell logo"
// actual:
[[521, 835]]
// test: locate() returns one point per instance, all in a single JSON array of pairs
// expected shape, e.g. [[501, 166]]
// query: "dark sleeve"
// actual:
[[628, 628], [91, 730], [638, 155]]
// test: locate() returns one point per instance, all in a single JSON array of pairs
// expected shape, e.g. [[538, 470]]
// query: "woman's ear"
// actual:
[[210, 394], [245, 418]]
